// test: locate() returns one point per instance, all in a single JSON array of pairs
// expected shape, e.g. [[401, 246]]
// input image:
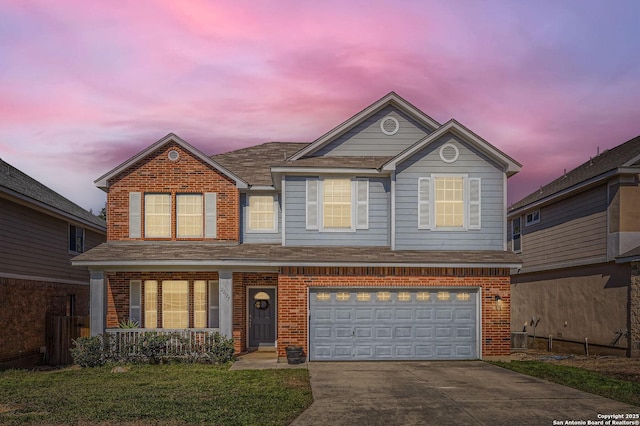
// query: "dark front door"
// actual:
[[262, 316]]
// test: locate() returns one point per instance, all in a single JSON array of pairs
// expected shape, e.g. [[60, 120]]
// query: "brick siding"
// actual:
[[155, 173], [294, 282], [24, 306]]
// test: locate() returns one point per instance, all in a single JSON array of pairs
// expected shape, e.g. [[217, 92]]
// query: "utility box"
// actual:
[[519, 341]]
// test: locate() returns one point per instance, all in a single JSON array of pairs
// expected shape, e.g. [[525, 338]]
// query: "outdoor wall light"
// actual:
[[498, 302]]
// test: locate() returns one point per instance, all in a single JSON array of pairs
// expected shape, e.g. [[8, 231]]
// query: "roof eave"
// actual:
[[388, 99], [103, 181]]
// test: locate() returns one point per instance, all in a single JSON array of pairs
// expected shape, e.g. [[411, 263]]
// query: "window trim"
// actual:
[[357, 205], [431, 204], [513, 234], [146, 224], [202, 215], [274, 229], [82, 239], [528, 222]]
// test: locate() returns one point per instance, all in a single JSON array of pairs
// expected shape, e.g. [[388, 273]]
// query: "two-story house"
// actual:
[[383, 239], [40, 231], [579, 241]]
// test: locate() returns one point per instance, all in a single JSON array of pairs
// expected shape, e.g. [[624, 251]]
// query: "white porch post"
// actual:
[[98, 300], [226, 302]]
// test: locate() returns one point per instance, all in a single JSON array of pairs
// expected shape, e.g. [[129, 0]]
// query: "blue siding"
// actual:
[[474, 165], [259, 237], [376, 235], [366, 139]]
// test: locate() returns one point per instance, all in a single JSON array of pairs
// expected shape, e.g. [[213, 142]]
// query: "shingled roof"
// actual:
[[15, 182], [627, 154], [253, 164], [210, 254]]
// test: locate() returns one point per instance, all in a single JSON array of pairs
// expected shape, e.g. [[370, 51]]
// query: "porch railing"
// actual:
[[128, 342]]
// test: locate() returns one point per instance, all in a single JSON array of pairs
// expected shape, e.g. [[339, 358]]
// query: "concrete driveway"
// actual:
[[443, 393]]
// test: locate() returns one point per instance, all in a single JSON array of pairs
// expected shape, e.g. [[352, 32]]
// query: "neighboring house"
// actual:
[[40, 231], [385, 238], [579, 241]]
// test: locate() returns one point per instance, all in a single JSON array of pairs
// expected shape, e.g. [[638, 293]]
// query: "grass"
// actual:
[[578, 378], [162, 394]]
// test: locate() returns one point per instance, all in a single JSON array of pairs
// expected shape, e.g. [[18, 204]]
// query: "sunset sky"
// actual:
[[84, 85]]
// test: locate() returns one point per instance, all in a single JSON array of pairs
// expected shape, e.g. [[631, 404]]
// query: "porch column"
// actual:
[[225, 280], [98, 300]]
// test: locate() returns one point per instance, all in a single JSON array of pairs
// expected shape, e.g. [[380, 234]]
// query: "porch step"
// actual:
[[266, 348]]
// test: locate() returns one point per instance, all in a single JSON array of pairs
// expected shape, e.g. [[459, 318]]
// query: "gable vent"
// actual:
[[449, 153], [389, 126], [173, 155]]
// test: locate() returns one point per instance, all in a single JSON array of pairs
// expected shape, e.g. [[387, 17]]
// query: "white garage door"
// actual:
[[392, 324]]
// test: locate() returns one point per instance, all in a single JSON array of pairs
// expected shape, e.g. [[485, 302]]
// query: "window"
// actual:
[[175, 304], [76, 239], [449, 202], [189, 213], [262, 213], [157, 215], [532, 218], [200, 304], [516, 235], [151, 304], [337, 204]]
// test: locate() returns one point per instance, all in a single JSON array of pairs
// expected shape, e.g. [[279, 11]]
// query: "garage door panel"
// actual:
[[407, 324]]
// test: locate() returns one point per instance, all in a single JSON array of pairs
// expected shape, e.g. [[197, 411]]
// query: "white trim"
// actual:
[[247, 216], [387, 132], [282, 203], [510, 165], [393, 210], [103, 181], [390, 99], [447, 160]]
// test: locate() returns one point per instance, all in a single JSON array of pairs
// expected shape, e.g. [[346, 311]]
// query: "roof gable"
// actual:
[[391, 98], [103, 181], [20, 185], [624, 155], [511, 166]]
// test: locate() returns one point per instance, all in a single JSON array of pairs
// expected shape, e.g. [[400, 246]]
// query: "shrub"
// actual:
[[218, 348], [128, 324], [89, 351], [153, 346]]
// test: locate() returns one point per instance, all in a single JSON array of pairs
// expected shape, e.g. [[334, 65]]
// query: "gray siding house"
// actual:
[[578, 238], [383, 239], [40, 231]]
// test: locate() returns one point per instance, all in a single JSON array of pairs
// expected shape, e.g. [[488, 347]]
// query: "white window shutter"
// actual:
[[135, 215], [424, 203], [210, 215], [362, 204], [214, 304], [474, 203], [312, 203], [135, 304]]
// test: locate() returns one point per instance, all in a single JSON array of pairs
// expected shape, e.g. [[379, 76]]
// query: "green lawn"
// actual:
[[161, 394], [578, 378]]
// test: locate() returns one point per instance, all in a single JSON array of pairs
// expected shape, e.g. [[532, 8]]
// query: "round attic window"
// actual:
[[173, 155], [449, 153], [389, 126]]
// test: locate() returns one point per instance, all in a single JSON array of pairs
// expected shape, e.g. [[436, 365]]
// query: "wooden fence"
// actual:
[[61, 331]]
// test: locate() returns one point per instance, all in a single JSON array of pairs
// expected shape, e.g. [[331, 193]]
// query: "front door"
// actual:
[[262, 317]]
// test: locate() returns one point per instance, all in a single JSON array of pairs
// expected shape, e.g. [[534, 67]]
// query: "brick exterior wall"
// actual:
[[24, 306], [118, 292], [294, 282], [155, 173]]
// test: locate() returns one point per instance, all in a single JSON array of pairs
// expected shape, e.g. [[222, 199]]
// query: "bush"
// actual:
[[153, 346], [89, 351], [218, 348]]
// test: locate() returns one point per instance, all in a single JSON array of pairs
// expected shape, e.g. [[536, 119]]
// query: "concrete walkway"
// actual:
[[260, 360], [444, 393]]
